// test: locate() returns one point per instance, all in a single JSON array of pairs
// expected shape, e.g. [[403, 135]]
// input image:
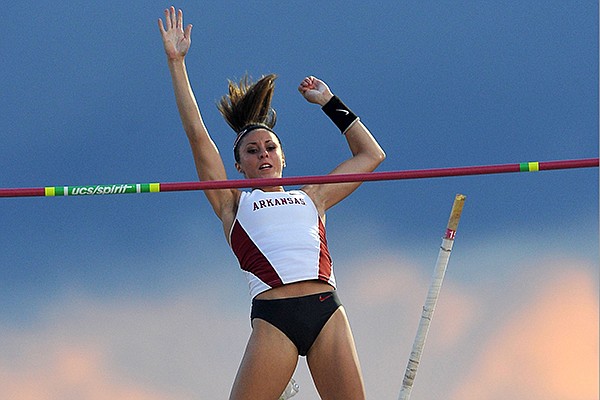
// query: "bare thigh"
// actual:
[[267, 366], [333, 361]]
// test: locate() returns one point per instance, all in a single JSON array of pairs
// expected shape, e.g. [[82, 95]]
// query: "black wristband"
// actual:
[[340, 114]]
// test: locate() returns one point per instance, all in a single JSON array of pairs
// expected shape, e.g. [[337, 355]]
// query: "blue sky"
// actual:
[[86, 98]]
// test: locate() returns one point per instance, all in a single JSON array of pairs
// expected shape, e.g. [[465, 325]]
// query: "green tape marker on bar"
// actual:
[[92, 190], [529, 167], [148, 188], [54, 191]]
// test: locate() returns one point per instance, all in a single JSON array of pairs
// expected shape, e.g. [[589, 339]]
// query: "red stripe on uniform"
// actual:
[[324, 257], [251, 259]]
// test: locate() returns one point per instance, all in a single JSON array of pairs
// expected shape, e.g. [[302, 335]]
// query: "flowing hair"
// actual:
[[247, 106]]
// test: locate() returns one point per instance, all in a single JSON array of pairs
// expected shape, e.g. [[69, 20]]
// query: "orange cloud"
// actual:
[[165, 349], [384, 306], [548, 350], [69, 373], [392, 283]]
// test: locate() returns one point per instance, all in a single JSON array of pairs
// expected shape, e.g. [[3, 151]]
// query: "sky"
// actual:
[[139, 297]]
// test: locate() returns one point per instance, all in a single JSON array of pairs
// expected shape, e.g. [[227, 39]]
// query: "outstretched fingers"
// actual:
[[172, 19], [188, 31], [161, 26], [167, 23], [179, 19], [176, 39]]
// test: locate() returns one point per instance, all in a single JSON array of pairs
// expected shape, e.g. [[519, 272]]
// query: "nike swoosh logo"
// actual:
[[324, 297], [346, 112]]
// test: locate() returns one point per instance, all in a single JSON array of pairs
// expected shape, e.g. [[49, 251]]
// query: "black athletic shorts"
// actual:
[[301, 319]]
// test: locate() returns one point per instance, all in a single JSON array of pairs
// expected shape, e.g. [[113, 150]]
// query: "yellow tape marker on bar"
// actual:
[[529, 167], [49, 191], [154, 187]]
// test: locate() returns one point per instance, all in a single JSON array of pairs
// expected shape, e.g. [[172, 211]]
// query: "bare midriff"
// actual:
[[296, 289]]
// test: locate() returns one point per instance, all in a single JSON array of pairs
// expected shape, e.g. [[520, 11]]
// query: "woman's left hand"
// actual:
[[315, 90]]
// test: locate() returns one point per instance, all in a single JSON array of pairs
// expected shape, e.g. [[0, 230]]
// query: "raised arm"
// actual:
[[209, 164], [366, 152]]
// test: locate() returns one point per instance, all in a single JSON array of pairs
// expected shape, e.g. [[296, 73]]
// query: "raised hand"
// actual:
[[315, 90], [175, 40]]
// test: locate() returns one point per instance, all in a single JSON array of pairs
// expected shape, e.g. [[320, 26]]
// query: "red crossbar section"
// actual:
[[24, 192], [341, 178], [375, 176]]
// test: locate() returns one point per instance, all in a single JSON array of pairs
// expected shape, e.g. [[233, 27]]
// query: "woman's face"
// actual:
[[261, 155]]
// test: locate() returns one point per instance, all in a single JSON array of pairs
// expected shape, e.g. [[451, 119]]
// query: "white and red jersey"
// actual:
[[279, 238]]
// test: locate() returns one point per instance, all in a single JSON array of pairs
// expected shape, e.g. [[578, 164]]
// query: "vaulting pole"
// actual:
[[432, 297], [124, 188]]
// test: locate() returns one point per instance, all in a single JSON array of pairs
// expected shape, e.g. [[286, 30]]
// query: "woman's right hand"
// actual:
[[175, 40]]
